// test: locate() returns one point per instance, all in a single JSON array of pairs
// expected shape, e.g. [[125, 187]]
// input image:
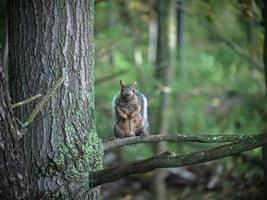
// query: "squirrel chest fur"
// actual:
[[130, 110]]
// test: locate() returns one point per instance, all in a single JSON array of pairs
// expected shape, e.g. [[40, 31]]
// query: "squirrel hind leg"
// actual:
[[142, 132], [118, 132]]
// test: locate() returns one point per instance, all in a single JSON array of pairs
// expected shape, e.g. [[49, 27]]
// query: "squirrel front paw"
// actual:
[[142, 132], [118, 132]]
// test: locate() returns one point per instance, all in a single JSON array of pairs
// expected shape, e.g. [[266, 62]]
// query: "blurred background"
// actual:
[[208, 65]]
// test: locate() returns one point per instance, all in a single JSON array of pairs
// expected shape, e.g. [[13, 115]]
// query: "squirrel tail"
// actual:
[[144, 104], [114, 105]]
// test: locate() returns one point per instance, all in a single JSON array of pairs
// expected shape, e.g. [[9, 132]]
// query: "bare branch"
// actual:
[[41, 104], [236, 48], [174, 138], [167, 160], [25, 101], [109, 77], [218, 36]]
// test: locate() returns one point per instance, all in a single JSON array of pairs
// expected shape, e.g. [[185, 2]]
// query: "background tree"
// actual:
[[222, 90], [165, 61], [180, 70]]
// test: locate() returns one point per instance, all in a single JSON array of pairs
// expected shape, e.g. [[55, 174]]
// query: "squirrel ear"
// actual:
[[121, 83], [134, 83]]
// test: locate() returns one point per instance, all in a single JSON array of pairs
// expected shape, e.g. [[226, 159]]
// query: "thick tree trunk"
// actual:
[[50, 39], [14, 182]]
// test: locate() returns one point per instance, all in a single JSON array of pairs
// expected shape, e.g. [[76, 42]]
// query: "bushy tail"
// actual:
[[114, 105], [144, 104]]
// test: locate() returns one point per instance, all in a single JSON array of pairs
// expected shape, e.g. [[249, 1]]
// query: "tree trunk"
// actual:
[[110, 23], [180, 70], [50, 39], [180, 30], [248, 18], [13, 184], [164, 61], [152, 33]]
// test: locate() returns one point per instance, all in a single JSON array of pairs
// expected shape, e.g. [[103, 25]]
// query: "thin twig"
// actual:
[[168, 159], [40, 105], [218, 36], [25, 101], [174, 138], [106, 78], [235, 47]]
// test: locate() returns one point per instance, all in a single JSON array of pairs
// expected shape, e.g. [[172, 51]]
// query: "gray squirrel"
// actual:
[[129, 108]]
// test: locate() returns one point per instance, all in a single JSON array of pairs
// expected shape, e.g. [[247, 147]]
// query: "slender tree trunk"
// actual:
[[50, 39], [249, 17], [251, 23], [264, 148], [164, 61], [180, 30], [180, 70], [152, 33], [110, 23]]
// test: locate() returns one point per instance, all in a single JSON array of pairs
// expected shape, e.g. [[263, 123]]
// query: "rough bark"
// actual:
[[13, 184], [50, 39]]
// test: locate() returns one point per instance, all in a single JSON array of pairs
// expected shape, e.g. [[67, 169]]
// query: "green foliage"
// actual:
[[214, 90]]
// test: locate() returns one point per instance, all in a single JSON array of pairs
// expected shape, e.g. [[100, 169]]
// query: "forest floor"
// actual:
[[196, 182]]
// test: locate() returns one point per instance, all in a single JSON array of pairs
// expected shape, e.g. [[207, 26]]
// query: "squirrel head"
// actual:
[[128, 91]]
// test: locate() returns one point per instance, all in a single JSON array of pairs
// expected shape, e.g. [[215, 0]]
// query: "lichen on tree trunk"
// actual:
[[50, 39]]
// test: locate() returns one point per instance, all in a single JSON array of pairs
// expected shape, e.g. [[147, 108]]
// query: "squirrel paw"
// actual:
[[142, 132], [119, 133]]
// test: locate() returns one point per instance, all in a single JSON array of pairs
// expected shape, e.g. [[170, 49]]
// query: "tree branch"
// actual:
[[106, 78], [41, 104], [25, 101], [174, 138], [167, 160], [237, 49], [218, 36]]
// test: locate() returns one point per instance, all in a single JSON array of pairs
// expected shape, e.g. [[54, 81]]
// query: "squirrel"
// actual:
[[129, 108]]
